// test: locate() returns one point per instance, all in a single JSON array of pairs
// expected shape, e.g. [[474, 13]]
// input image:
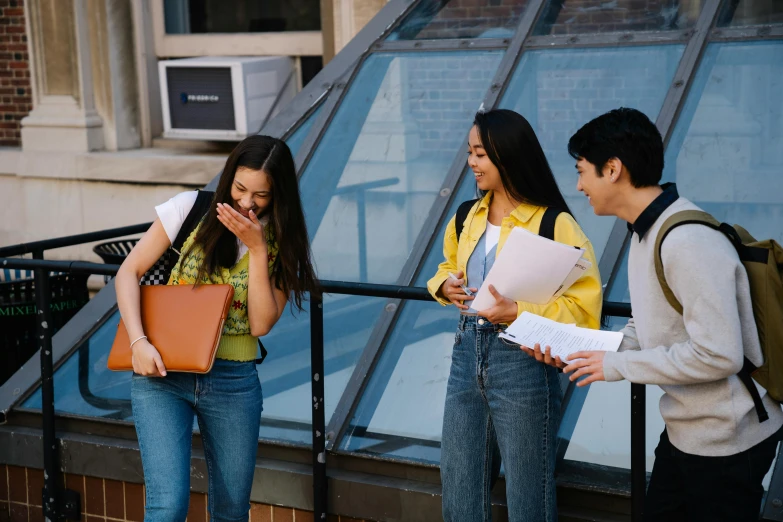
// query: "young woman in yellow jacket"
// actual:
[[500, 400]]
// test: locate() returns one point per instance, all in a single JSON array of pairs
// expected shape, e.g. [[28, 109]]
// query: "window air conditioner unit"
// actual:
[[223, 98]]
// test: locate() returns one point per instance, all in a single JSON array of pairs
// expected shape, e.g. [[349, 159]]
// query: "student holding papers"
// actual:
[[498, 398], [716, 447]]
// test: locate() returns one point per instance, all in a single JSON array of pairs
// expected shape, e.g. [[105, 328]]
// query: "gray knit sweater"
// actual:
[[694, 357]]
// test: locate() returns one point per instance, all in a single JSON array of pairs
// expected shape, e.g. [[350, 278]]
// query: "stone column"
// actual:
[[64, 116], [114, 71], [342, 20]]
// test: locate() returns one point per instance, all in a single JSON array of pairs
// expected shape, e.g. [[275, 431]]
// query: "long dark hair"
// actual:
[[512, 146], [293, 270]]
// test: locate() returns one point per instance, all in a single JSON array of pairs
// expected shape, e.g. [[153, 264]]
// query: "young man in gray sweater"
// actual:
[[714, 452]]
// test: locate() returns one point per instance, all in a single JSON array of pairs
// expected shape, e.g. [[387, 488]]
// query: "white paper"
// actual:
[[578, 271], [563, 339], [530, 268]]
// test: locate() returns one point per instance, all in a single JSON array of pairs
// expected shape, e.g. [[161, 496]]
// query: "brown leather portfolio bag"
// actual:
[[182, 322]]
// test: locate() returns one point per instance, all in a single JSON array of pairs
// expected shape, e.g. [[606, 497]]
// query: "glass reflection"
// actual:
[[295, 140], [726, 153], [597, 16], [401, 411], [441, 19], [83, 384], [558, 91], [737, 13], [374, 176]]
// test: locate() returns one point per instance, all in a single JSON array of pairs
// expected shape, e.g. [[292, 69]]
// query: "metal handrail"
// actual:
[[76, 267], [78, 239], [58, 503]]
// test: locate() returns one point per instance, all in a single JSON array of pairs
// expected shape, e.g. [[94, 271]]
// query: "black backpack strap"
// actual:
[[200, 207], [462, 214], [263, 352], [745, 375], [547, 227]]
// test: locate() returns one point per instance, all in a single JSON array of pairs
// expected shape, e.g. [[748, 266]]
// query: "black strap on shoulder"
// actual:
[[462, 214], [745, 375], [547, 227], [200, 207], [263, 352]]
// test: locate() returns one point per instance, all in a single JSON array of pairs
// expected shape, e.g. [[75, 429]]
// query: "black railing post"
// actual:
[[638, 451], [58, 503], [319, 417], [51, 493]]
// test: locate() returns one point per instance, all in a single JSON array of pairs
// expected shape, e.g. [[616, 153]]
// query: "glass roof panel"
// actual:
[[442, 19], [401, 411], [84, 386], [736, 13], [731, 125], [366, 192], [285, 373], [599, 16], [726, 152], [381, 163], [295, 140], [560, 90]]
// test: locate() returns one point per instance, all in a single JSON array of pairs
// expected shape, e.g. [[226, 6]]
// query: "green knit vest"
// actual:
[[236, 344]]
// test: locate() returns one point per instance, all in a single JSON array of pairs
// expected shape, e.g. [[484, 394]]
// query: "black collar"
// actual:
[[654, 210]]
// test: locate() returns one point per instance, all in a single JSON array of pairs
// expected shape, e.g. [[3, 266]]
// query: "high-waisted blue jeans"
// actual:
[[498, 397], [227, 402]]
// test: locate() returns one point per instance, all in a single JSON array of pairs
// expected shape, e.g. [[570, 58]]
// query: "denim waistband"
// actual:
[[477, 323]]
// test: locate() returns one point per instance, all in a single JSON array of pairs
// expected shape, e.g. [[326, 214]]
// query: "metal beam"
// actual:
[[461, 44], [683, 77], [335, 95], [624, 38], [424, 241], [376, 28], [744, 34]]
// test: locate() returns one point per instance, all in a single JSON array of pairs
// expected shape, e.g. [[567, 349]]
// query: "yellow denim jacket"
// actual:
[[580, 304]]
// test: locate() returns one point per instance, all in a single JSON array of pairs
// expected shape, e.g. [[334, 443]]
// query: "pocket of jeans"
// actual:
[[458, 337]]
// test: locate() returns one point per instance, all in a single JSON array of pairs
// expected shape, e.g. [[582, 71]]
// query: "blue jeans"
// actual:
[[227, 402], [498, 398]]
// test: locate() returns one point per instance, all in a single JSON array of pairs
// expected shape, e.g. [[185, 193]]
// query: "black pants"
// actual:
[[692, 488]]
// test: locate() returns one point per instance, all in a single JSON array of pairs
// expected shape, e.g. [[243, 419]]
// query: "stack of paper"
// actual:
[[563, 339], [532, 269]]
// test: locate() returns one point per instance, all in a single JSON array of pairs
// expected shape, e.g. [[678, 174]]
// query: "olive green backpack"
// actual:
[[763, 261]]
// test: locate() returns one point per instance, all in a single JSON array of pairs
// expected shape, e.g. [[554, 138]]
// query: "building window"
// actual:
[[240, 16]]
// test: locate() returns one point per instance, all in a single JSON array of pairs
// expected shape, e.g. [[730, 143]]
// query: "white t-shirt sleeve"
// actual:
[[173, 212]]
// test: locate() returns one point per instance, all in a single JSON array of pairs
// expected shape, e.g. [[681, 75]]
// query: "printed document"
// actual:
[[531, 268], [563, 339]]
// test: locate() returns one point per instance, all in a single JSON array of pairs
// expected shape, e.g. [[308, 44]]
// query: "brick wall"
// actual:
[[499, 18], [106, 500], [443, 94], [15, 92], [598, 16], [464, 19]]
